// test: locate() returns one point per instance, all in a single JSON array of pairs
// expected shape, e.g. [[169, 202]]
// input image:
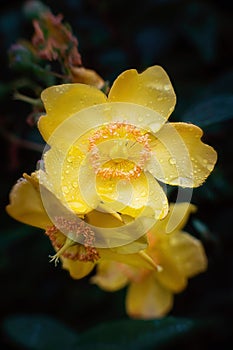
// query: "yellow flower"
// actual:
[[97, 188], [177, 255], [109, 152], [76, 248]]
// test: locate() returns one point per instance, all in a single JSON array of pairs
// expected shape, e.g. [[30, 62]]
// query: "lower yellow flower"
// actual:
[[177, 256], [73, 237]]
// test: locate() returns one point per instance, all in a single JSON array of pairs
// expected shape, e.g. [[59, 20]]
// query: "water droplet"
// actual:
[[209, 167], [70, 159], [167, 87], [65, 189], [185, 181], [75, 184], [172, 161]]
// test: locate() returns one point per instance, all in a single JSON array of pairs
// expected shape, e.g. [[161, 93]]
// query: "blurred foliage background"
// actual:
[[41, 307]]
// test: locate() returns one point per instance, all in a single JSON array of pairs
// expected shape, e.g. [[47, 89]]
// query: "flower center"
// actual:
[[69, 248], [119, 150]]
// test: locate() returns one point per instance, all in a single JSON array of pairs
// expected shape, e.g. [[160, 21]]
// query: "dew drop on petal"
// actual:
[[172, 161], [185, 181], [65, 189], [167, 87]]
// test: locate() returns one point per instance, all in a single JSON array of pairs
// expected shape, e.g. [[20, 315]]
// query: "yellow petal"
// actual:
[[148, 299], [62, 175], [135, 245], [112, 233], [151, 88], [146, 204], [77, 269], [136, 259], [63, 101], [188, 254], [26, 205], [109, 276], [170, 275], [180, 157], [142, 196], [176, 219]]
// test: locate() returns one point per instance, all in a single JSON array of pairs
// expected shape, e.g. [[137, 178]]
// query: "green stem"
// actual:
[[33, 101]]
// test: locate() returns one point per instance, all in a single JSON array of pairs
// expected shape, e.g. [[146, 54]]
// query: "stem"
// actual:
[[33, 101]]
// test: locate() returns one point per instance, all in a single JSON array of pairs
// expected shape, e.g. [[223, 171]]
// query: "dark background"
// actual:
[[192, 40]]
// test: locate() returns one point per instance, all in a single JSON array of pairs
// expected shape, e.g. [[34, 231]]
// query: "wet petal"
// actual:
[[180, 157], [142, 196], [176, 219], [112, 232], [148, 299], [109, 276], [62, 101], [26, 205], [151, 88], [62, 176]]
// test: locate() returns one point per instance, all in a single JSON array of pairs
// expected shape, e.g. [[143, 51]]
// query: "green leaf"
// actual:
[[136, 334], [39, 332], [23, 59], [214, 110]]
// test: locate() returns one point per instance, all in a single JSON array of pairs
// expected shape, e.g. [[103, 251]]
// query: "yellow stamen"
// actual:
[[55, 257]]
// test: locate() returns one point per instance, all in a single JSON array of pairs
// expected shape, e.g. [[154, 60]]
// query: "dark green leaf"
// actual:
[[211, 111], [39, 332], [136, 334]]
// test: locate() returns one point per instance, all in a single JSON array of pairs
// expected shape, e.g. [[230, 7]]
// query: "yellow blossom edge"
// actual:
[[183, 159], [25, 203], [64, 100], [151, 88]]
